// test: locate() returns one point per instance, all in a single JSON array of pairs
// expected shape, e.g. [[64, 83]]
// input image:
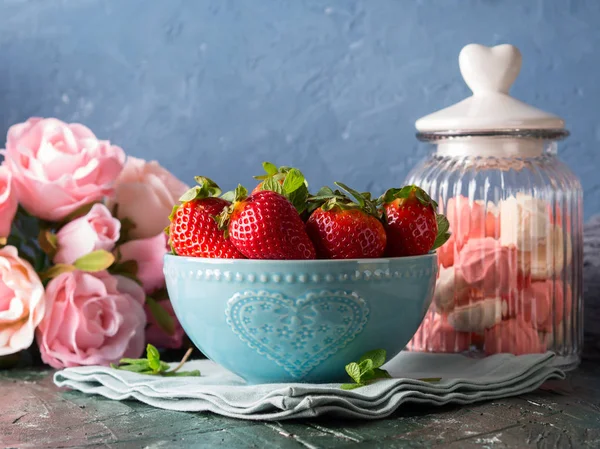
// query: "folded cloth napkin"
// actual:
[[464, 380]]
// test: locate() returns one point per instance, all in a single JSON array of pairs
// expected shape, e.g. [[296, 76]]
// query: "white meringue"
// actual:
[[478, 316], [524, 221]]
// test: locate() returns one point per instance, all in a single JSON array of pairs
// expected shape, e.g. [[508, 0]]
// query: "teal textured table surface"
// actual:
[[36, 414]]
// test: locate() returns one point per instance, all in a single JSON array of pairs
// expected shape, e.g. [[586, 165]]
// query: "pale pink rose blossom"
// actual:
[[149, 254], [91, 319], [156, 336], [59, 167], [8, 201], [145, 193], [96, 230], [21, 302]]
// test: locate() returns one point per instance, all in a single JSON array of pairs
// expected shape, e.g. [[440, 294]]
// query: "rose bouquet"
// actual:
[[81, 247]]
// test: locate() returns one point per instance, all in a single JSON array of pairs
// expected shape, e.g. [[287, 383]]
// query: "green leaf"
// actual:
[[357, 195], [95, 261], [56, 270], [194, 373], [324, 191], [126, 361], [141, 369], [153, 358], [208, 188], [374, 374], [294, 179], [229, 196], [299, 198], [240, 193], [430, 379], [365, 366], [270, 168], [273, 185], [406, 192], [162, 317], [367, 369], [442, 235], [351, 386], [190, 195], [377, 357], [393, 194], [354, 371]]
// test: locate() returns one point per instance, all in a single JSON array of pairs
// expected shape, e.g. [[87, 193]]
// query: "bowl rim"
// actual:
[[430, 255]]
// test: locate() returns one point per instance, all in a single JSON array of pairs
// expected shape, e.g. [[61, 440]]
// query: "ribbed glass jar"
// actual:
[[510, 277]]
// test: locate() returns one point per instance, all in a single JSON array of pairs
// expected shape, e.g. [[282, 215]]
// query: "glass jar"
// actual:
[[510, 277]]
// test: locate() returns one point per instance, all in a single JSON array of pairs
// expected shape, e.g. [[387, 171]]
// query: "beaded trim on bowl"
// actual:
[[217, 275]]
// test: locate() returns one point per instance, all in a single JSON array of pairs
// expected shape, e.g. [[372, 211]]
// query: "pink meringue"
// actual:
[[488, 266], [467, 220], [538, 307], [513, 336], [436, 335]]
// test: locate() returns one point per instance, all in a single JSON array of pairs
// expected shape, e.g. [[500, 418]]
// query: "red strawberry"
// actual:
[[266, 225], [194, 231], [412, 225], [343, 229]]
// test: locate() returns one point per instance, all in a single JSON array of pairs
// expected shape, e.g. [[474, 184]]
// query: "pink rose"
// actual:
[[146, 193], [91, 319], [156, 336], [21, 302], [149, 254], [98, 229], [8, 202], [59, 167]]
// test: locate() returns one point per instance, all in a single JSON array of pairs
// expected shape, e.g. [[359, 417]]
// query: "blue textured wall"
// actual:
[[214, 87]]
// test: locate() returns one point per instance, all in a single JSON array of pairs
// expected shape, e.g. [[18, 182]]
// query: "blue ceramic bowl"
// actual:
[[298, 321]]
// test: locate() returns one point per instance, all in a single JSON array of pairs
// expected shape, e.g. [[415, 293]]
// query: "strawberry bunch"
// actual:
[[281, 220]]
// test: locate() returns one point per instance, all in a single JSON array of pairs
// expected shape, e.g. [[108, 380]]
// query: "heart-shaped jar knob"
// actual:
[[486, 69], [489, 72]]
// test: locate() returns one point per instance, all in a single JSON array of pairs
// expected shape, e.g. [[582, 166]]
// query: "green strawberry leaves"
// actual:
[[152, 364], [287, 181], [367, 369], [405, 193], [206, 188], [270, 169], [346, 198], [239, 194], [443, 233]]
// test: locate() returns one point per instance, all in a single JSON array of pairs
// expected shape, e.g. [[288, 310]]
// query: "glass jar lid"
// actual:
[[490, 111]]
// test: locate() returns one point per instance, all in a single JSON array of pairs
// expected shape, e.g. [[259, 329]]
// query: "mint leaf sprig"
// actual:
[[367, 370], [152, 365]]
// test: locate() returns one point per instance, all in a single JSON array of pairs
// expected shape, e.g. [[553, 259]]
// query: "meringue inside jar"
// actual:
[[510, 277]]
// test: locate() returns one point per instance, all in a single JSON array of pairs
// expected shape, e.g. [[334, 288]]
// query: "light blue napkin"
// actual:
[[463, 381]]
